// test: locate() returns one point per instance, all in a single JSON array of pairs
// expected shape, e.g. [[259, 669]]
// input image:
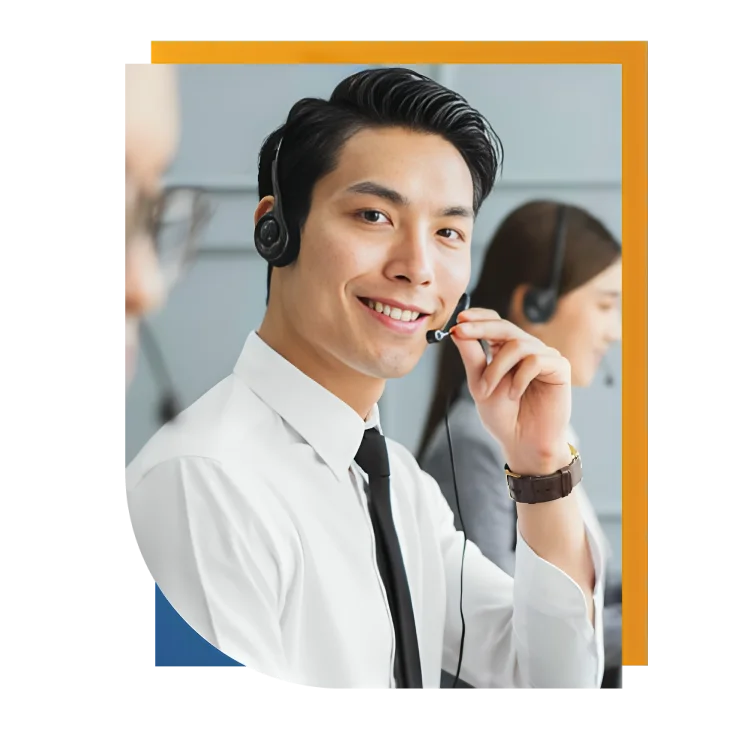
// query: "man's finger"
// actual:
[[550, 369], [496, 330], [526, 373], [508, 356], [478, 313], [475, 362]]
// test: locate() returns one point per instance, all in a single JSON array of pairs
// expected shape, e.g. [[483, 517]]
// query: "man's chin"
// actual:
[[394, 367]]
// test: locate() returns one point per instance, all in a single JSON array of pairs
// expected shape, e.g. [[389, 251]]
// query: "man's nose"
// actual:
[[412, 258]]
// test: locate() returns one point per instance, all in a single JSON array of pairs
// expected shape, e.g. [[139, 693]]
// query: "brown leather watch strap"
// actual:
[[532, 490]]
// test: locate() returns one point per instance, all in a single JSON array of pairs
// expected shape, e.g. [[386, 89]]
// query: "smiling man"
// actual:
[[275, 517]]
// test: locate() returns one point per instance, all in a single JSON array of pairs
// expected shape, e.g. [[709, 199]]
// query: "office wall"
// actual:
[[561, 129]]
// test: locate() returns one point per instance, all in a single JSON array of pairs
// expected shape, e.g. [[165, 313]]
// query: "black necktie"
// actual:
[[372, 457]]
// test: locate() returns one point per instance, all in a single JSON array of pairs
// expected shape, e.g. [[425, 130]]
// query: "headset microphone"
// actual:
[[609, 378], [436, 335]]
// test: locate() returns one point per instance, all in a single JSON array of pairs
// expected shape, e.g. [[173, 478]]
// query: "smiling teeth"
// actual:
[[393, 312]]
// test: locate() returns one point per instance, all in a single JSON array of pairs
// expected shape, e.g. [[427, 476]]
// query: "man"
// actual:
[[149, 130], [151, 136], [266, 515], [154, 258]]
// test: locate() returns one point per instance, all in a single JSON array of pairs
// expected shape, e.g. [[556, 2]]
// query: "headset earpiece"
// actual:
[[271, 235], [270, 240], [539, 304]]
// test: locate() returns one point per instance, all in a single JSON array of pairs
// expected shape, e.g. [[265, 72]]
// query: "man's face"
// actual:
[[151, 131], [385, 251]]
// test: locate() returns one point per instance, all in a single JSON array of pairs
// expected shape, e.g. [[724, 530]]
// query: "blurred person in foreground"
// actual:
[[161, 225], [579, 315], [274, 515]]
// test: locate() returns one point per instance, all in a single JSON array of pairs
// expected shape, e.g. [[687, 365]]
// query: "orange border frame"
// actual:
[[632, 56]]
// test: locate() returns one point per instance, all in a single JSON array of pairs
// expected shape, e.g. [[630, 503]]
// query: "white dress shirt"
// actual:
[[253, 520], [587, 509]]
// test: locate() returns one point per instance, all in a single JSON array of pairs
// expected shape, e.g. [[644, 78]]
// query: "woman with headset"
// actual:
[[555, 271]]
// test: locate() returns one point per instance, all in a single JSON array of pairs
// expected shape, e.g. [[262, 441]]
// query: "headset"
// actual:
[[539, 304], [271, 233]]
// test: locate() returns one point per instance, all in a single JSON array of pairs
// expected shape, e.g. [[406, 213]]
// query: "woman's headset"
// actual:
[[539, 304]]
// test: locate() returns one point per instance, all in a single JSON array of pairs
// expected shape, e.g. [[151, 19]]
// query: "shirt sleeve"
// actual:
[[222, 575], [530, 631]]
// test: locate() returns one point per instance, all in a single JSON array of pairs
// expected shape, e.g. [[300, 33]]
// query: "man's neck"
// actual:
[[358, 391]]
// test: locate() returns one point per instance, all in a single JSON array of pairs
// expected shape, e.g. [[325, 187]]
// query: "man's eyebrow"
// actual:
[[379, 191], [462, 211], [394, 197]]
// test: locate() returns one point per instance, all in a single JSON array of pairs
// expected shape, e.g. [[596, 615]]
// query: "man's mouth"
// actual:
[[404, 314]]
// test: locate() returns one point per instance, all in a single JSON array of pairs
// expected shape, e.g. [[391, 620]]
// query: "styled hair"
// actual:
[[521, 253], [316, 130]]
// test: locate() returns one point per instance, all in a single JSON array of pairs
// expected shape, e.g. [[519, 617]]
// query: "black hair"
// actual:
[[316, 130]]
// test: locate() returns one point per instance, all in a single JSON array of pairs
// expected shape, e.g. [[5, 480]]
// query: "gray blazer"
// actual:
[[487, 509]]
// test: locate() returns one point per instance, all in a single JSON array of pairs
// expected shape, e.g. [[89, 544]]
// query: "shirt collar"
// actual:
[[331, 427]]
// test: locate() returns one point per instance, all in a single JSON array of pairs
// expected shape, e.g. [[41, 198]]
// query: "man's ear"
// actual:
[[264, 207]]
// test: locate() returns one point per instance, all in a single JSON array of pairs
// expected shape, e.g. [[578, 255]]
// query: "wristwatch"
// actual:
[[532, 490]]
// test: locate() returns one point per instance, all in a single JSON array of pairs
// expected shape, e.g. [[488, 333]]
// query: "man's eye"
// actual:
[[372, 216], [450, 234]]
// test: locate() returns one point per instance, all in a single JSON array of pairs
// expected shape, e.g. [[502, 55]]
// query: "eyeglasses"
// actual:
[[173, 222]]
